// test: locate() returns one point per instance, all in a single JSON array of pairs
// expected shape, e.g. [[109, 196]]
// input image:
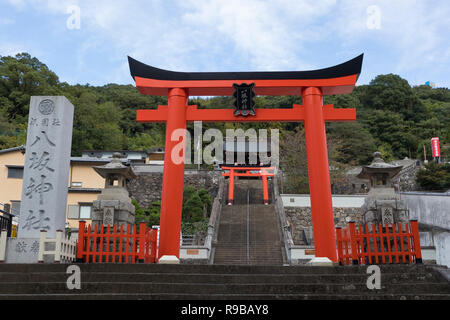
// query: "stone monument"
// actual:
[[382, 204], [113, 205], [45, 177]]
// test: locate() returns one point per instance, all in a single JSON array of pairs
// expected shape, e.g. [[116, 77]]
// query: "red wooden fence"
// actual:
[[116, 246], [398, 243]]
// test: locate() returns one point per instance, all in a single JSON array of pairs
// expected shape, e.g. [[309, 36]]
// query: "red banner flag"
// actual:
[[435, 150]]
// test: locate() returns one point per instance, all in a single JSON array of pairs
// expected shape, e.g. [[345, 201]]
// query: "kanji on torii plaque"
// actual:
[[311, 85]]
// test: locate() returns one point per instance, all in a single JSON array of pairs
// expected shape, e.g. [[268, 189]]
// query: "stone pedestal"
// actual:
[[113, 206], [383, 206], [168, 259], [320, 262]]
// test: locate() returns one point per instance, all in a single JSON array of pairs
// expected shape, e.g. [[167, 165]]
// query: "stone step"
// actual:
[[182, 296], [214, 288], [224, 257], [216, 278], [252, 256], [250, 262], [236, 256], [250, 249], [141, 281], [213, 269], [260, 231]]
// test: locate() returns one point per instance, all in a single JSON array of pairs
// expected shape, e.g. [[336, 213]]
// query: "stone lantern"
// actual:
[[113, 205], [382, 204]]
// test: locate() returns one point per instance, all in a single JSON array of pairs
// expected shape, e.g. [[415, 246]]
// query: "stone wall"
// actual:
[[406, 179], [300, 219], [147, 187]]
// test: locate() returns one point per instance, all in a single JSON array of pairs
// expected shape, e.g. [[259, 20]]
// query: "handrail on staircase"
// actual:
[[214, 217], [279, 208]]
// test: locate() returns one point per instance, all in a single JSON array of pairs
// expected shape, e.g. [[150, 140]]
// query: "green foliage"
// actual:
[[151, 215], [206, 199], [193, 209], [196, 210], [392, 93], [293, 161], [196, 204], [191, 228], [434, 177], [389, 128], [22, 77], [357, 144], [393, 117]]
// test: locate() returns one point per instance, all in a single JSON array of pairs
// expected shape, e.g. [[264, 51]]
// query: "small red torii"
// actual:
[[243, 171], [311, 85]]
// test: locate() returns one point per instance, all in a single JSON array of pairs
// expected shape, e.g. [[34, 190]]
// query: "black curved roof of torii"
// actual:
[[351, 67]]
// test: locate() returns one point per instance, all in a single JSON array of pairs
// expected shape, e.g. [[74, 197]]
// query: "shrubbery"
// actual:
[[197, 206], [434, 177]]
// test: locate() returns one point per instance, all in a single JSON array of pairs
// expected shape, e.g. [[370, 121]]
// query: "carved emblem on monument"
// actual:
[[108, 216], [46, 106], [387, 215]]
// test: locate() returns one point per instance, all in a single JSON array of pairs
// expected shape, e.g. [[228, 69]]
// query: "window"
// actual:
[[15, 172], [80, 211], [85, 211], [15, 207], [77, 184]]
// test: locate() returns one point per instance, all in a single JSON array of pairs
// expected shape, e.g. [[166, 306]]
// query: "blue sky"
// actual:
[[85, 41]]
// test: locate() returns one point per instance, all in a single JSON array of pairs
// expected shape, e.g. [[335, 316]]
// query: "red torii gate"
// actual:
[[243, 171], [311, 85]]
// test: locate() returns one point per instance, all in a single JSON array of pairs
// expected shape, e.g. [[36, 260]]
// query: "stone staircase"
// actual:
[[248, 230], [221, 282]]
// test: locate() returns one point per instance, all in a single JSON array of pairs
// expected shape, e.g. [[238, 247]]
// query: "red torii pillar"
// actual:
[[319, 175], [173, 177], [177, 86]]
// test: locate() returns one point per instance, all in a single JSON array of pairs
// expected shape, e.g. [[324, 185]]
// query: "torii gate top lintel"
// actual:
[[339, 79]]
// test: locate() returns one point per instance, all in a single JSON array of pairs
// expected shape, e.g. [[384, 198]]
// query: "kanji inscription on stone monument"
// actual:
[[47, 164]]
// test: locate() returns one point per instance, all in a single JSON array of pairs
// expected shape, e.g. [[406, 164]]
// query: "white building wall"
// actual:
[[339, 201]]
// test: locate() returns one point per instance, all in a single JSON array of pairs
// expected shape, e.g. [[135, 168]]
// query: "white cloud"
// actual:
[[271, 33], [218, 35], [415, 31], [11, 49]]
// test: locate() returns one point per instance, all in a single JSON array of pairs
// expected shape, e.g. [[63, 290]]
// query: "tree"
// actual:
[[434, 177], [391, 131], [96, 125], [392, 116], [391, 92], [151, 215], [22, 77], [193, 209], [357, 144], [293, 161]]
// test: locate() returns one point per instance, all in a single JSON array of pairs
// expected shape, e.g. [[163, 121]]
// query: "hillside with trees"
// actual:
[[393, 117]]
